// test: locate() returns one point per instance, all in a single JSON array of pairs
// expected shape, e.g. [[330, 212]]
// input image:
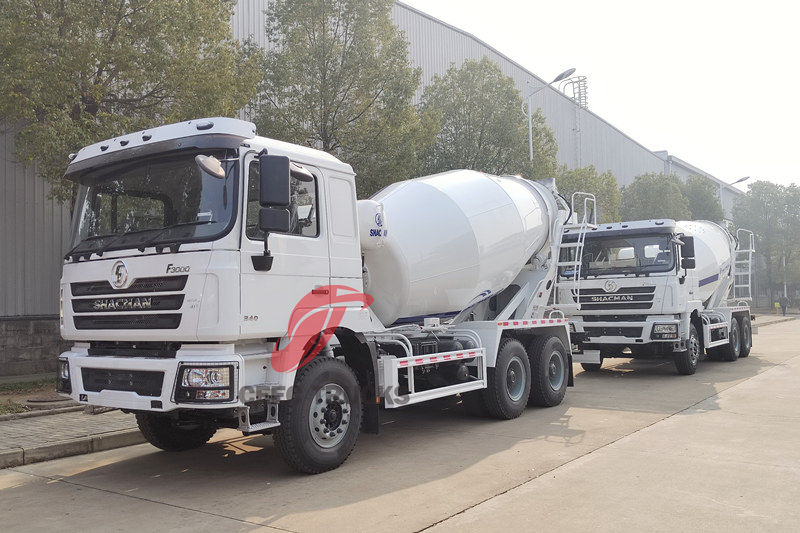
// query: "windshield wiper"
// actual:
[[72, 251], [155, 237]]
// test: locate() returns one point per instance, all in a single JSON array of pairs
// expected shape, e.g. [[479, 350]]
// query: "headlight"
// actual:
[[206, 377], [665, 328], [205, 384], [63, 369], [64, 385]]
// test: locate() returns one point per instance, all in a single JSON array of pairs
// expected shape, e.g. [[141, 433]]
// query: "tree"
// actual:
[[702, 195], [482, 125], [772, 212], [603, 186], [654, 196], [79, 71], [338, 78]]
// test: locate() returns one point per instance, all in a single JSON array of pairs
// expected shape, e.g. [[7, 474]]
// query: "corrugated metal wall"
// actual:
[[34, 230], [33, 237]]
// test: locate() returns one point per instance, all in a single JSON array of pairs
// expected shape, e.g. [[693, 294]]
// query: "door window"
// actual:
[[302, 208]]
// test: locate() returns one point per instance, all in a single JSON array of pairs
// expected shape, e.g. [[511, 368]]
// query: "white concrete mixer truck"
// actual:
[[658, 288], [220, 279]]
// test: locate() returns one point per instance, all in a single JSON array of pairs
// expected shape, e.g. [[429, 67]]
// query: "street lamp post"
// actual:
[[527, 109]]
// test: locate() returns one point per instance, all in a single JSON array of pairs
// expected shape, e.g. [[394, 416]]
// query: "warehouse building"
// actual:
[[34, 230]]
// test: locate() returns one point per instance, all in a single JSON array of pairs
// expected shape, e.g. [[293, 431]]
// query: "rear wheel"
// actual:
[[686, 361], [509, 382], [730, 351], [549, 370], [746, 330], [320, 424], [174, 435]]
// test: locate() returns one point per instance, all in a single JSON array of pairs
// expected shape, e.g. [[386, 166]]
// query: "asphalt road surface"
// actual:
[[632, 447]]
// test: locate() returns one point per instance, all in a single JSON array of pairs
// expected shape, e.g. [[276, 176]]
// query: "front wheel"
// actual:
[[746, 330], [320, 424], [174, 435], [686, 361], [549, 370]]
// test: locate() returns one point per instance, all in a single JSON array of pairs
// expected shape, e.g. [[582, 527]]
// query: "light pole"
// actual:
[[527, 109]]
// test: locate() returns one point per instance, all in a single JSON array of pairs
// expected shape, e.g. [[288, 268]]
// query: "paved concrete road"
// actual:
[[634, 446]]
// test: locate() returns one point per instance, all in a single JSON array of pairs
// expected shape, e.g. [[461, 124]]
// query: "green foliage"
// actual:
[[702, 195], [483, 127], [79, 71], [338, 78], [772, 212], [603, 186], [654, 196]]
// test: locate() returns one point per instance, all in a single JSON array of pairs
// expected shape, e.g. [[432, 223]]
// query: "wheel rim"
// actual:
[[515, 379], [329, 415], [694, 349], [555, 370]]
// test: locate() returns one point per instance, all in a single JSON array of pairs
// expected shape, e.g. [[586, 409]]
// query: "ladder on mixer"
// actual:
[[569, 255], [742, 289]]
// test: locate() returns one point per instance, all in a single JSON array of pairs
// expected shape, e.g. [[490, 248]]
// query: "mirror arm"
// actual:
[[263, 263]]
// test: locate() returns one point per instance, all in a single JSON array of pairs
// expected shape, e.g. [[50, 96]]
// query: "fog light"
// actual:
[[206, 377], [665, 328], [213, 394]]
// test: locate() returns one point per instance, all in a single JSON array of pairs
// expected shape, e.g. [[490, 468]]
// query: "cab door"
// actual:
[[300, 269]]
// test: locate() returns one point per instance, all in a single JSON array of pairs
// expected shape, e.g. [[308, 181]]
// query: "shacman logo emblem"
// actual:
[[610, 286], [119, 275]]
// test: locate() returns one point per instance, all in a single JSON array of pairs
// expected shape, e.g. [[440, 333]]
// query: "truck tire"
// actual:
[[509, 382], [166, 433], [549, 370], [746, 333], [730, 351], [686, 361], [320, 424]]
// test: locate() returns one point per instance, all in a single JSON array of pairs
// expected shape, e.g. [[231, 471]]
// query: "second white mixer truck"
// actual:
[[659, 288], [221, 279]]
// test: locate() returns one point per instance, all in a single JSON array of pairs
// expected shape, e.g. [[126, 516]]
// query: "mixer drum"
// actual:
[[450, 240]]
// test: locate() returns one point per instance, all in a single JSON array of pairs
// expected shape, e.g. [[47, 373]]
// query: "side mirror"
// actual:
[[273, 177], [687, 250], [688, 263], [274, 196]]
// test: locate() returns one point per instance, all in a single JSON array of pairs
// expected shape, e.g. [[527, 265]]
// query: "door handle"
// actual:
[[319, 290]]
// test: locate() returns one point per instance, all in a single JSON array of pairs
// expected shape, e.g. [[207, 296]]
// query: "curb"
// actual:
[[786, 319], [92, 443], [43, 412]]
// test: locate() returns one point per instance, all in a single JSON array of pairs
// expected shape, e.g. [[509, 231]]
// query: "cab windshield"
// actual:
[[635, 255], [161, 200]]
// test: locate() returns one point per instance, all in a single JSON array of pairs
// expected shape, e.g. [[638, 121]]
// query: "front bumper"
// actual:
[[146, 384], [625, 333]]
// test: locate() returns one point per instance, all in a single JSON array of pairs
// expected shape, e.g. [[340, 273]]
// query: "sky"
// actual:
[[713, 82]]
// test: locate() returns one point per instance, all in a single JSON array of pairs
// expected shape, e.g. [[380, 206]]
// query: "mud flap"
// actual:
[[571, 379]]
